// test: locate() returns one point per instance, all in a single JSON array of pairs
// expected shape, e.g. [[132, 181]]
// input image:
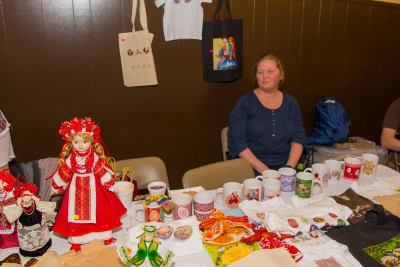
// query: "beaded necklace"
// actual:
[[82, 161], [29, 210]]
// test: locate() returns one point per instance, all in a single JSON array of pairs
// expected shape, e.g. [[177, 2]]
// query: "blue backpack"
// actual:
[[331, 124]]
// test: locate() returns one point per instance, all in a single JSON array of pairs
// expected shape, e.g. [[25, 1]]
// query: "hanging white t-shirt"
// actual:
[[183, 19], [6, 148]]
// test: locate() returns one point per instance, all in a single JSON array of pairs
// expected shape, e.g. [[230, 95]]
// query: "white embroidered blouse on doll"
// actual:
[[8, 231], [90, 209], [33, 232]]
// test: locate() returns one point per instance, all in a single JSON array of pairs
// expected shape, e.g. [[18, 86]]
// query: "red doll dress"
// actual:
[[8, 231], [89, 210]]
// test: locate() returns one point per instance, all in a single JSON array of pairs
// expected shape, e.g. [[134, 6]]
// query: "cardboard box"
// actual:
[[322, 153]]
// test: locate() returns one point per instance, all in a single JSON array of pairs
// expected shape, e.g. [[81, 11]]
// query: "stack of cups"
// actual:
[[203, 205]]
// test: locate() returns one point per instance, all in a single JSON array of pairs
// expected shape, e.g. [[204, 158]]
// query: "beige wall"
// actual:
[[60, 59]]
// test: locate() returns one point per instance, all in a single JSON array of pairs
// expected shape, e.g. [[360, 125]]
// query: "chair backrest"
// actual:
[[215, 175], [392, 160], [146, 170], [224, 142]]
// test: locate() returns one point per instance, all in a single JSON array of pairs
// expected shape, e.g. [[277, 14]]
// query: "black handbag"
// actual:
[[222, 47]]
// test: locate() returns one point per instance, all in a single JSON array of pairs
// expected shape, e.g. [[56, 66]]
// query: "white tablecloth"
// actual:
[[61, 245]]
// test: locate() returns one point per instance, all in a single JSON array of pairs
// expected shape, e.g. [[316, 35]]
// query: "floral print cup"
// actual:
[[183, 206]]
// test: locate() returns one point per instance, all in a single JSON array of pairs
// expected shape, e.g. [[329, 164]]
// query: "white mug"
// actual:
[[272, 188], [321, 172], [335, 170], [153, 212], [157, 188], [183, 206], [252, 189], [369, 164], [230, 195], [269, 174]]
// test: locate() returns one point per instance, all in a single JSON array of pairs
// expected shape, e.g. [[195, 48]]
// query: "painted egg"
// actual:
[[183, 232], [164, 232], [293, 223], [332, 215]]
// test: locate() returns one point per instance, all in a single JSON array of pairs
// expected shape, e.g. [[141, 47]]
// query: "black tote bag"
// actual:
[[222, 47]]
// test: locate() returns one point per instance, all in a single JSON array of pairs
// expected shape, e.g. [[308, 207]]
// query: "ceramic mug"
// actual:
[[335, 169], [272, 188], [152, 213], [230, 195], [351, 169], [252, 189], [203, 202], [369, 164], [202, 215], [157, 188], [267, 174], [203, 205], [288, 179], [183, 206], [304, 184], [320, 172]]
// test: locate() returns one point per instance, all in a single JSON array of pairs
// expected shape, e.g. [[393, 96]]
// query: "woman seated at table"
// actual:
[[265, 127]]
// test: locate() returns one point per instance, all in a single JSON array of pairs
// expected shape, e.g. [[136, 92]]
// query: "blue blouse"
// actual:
[[268, 133]]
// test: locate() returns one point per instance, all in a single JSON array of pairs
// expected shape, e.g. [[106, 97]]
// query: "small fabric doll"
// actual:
[[8, 231], [148, 252], [90, 209], [33, 232]]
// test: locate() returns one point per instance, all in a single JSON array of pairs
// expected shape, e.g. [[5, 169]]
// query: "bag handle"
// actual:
[[126, 171], [139, 15], [218, 9], [112, 163]]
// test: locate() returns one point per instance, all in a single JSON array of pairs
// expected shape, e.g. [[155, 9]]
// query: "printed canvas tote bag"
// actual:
[[137, 60]]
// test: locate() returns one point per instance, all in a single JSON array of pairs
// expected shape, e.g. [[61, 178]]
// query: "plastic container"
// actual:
[[322, 153]]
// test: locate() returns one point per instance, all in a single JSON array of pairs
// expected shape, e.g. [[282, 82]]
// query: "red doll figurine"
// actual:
[[33, 231], [90, 209], [8, 231]]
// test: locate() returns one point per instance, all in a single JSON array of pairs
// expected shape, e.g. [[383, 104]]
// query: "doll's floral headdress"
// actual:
[[22, 187], [6, 177], [76, 125]]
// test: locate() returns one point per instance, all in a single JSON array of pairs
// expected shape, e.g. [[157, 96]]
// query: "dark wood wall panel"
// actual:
[[60, 59]]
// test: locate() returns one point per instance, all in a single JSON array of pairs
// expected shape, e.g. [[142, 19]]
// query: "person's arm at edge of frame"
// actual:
[[388, 139], [253, 160]]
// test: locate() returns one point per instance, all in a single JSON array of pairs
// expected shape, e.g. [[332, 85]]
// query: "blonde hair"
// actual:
[[66, 150]]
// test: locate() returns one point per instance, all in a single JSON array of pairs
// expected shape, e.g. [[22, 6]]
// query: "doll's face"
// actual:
[[80, 144], [2, 185], [26, 196]]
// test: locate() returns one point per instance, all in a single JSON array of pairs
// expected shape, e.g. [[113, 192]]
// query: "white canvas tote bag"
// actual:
[[137, 59]]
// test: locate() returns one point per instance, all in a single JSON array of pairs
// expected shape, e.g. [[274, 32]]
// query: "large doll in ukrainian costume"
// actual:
[[90, 209], [8, 231]]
